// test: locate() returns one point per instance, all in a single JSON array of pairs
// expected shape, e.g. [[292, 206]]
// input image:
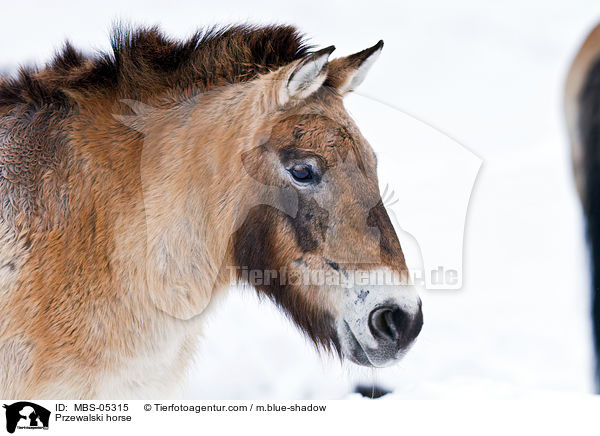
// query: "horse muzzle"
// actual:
[[379, 324]]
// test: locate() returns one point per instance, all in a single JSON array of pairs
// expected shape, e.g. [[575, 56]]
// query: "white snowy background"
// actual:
[[491, 77]]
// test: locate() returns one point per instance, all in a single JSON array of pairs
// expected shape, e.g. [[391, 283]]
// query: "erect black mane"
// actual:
[[144, 60]]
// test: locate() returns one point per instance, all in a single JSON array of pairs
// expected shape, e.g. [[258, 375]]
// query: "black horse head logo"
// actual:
[[34, 416]]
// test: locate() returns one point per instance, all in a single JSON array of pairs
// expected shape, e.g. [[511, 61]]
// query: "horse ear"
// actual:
[[306, 76], [347, 73]]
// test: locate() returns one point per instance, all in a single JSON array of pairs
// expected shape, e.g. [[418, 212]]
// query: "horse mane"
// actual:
[[143, 61]]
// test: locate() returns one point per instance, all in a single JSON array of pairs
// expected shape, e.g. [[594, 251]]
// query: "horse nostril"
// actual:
[[387, 323]]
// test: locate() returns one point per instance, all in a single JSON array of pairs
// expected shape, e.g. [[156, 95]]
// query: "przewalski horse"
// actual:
[[138, 185], [582, 109]]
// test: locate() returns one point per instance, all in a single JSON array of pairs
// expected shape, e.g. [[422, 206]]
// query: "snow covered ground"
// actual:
[[489, 76]]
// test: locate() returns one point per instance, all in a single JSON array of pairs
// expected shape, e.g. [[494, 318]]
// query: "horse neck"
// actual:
[[192, 188]]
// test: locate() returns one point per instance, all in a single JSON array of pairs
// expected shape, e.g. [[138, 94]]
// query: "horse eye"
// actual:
[[302, 173]]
